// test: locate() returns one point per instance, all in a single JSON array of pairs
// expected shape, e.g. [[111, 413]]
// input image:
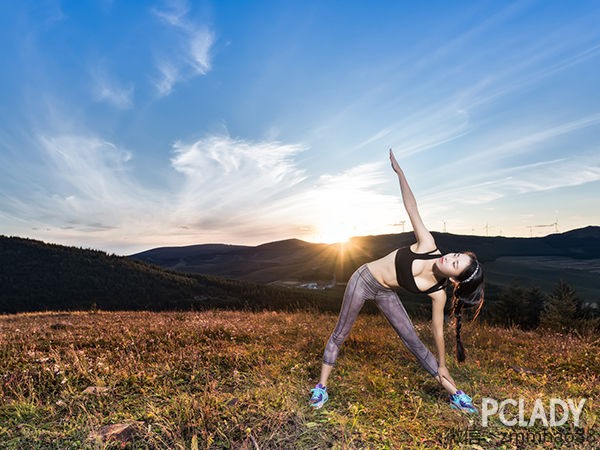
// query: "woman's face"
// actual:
[[453, 264]]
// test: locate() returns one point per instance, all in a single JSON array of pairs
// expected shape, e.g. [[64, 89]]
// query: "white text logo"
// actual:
[[512, 412]]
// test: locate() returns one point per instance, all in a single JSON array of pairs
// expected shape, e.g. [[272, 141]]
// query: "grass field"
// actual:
[[240, 380]]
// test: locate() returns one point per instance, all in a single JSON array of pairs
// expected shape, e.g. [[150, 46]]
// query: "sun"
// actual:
[[335, 232], [344, 206]]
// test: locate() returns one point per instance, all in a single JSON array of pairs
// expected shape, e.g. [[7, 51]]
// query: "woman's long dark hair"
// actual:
[[468, 293]]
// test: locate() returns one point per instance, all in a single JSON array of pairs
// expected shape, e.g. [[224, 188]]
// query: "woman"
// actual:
[[420, 268]]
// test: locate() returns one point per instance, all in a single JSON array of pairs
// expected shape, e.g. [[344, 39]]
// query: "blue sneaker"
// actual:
[[462, 402], [319, 396]]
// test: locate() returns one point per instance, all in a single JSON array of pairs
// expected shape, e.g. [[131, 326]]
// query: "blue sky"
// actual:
[[130, 125]]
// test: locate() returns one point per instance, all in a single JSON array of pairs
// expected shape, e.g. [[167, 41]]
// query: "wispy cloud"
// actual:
[[190, 55], [90, 180], [84, 184], [225, 186], [169, 75], [443, 105], [106, 89], [484, 188], [511, 198], [200, 44], [453, 46], [560, 173], [532, 142], [229, 178], [376, 137], [173, 12]]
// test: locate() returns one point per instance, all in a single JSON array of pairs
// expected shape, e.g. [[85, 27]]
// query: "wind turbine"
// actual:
[[487, 228], [400, 224], [554, 224]]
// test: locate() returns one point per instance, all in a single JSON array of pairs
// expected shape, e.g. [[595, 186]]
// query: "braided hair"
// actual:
[[468, 292]]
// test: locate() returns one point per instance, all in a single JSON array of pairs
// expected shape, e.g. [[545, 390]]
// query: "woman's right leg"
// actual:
[[325, 372], [357, 291]]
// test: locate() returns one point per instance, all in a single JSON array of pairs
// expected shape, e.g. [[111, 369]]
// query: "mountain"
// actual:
[[540, 261], [37, 276]]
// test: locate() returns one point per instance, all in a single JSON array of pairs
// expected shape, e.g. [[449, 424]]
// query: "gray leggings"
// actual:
[[362, 286]]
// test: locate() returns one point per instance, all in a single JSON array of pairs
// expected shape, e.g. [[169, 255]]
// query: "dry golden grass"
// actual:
[[222, 379]]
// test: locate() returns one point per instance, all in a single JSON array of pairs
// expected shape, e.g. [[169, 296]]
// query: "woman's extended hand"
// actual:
[[395, 164]]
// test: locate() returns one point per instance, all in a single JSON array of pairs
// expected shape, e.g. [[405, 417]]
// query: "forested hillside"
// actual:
[[36, 276]]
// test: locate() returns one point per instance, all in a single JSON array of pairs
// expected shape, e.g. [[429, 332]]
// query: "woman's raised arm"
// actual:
[[425, 240]]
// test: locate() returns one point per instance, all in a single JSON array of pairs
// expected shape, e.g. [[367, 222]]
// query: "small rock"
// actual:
[[521, 369], [61, 325], [95, 390], [122, 432]]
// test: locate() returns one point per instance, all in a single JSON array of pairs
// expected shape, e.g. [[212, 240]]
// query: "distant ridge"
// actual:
[[590, 231], [36, 276], [294, 259]]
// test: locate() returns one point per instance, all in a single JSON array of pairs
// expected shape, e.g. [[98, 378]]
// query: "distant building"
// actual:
[[311, 285], [314, 285]]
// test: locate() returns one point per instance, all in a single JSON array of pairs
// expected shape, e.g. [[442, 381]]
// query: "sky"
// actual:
[[129, 125]]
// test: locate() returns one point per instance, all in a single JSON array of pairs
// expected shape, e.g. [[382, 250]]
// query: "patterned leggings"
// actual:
[[362, 286]]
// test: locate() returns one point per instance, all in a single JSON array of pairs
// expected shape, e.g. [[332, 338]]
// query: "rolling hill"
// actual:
[[35, 276], [573, 256]]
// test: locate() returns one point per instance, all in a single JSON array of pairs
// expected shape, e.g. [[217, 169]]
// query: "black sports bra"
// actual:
[[404, 259]]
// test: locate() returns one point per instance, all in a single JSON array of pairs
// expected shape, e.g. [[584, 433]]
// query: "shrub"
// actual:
[[562, 310]]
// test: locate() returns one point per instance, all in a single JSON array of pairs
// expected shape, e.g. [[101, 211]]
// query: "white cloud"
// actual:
[[227, 179], [169, 75], [539, 188], [238, 191], [90, 179], [515, 181], [556, 174], [89, 193], [225, 190], [200, 44], [188, 53], [173, 13], [374, 138], [84, 186], [529, 142], [108, 90]]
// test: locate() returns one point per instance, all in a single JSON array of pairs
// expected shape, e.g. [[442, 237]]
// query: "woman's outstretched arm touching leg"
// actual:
[[438, 301]]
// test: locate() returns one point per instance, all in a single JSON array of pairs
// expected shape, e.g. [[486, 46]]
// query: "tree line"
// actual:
[[530, 308], [35, 276]]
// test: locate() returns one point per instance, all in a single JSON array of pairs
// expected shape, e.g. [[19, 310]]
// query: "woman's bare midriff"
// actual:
[[384, 270]]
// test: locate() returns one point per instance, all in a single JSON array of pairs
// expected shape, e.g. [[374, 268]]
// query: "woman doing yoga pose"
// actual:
[[419, 268]]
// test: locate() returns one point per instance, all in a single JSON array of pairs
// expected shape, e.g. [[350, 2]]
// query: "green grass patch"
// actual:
[[225, 379]]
